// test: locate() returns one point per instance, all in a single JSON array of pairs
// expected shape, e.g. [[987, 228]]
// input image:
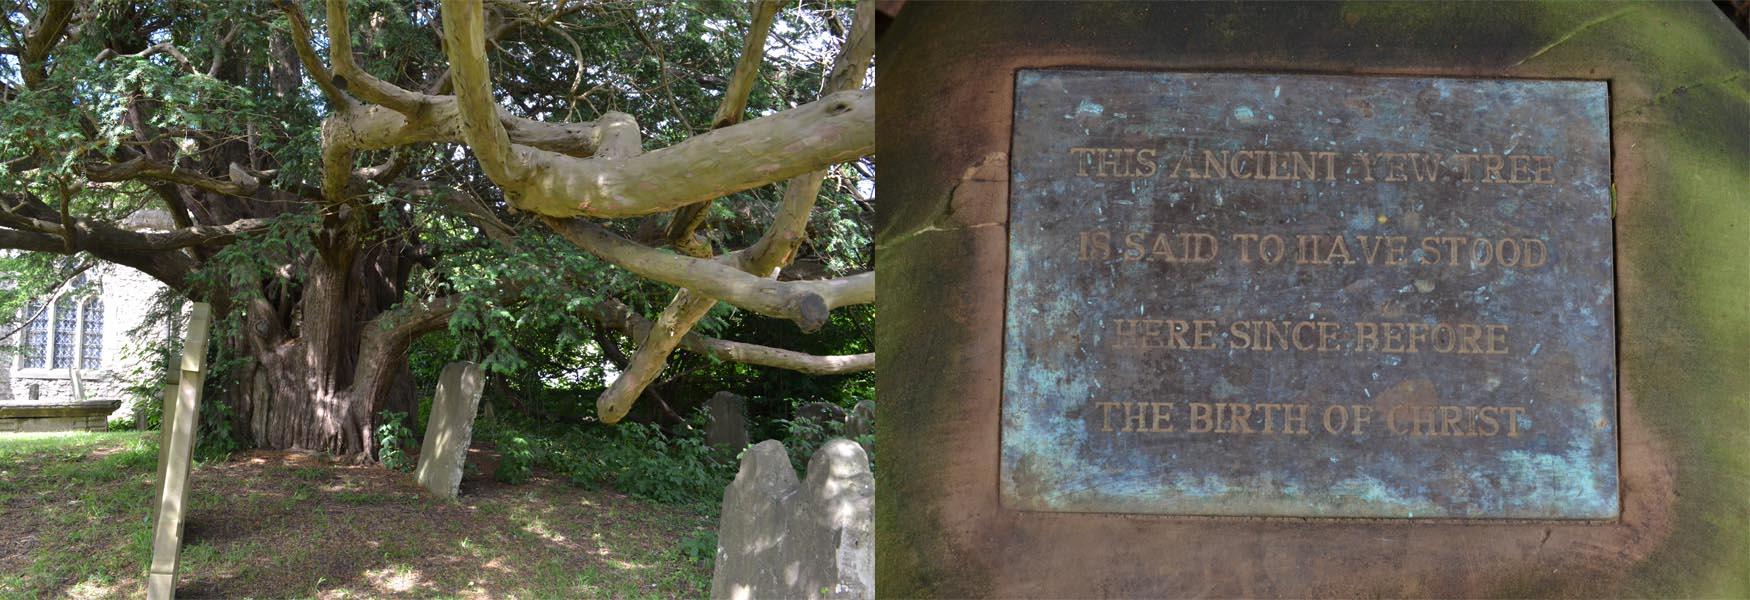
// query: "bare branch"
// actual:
[[388, 336], [198, 235], [224, 47], [465, 42], [619, 316], [29, 240], [240, 183], [775, 248], [158, 48], [41, 37], [347, 74], [307, 55], [805, 302], [747, 70], [687, 219], [28, 218], [836, 129]]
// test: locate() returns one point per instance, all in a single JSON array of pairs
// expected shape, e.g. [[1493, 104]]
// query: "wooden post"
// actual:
[[175, 453]]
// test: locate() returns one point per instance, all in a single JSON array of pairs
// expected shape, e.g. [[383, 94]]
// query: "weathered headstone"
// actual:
[[728, 427], [822, 412], [175, 455], [783, 538], [450, 429], [823, 420], [862, 419]]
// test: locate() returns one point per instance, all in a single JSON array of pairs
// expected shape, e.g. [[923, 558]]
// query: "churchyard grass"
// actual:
[[274, 525]]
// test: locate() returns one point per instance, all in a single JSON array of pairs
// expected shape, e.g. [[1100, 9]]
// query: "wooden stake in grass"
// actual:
[[181, 419]]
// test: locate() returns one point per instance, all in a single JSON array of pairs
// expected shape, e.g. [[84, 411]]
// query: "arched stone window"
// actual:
[[68, 333], [36, 336], [91, 334]]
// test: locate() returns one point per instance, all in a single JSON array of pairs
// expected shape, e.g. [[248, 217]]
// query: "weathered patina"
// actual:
[[1678, 95], [1300, 295]]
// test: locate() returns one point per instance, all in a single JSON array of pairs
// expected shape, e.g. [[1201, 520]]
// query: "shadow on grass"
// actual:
[[275, 525]]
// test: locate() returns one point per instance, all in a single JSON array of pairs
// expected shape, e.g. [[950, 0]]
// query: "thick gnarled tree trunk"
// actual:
[[320, 372]]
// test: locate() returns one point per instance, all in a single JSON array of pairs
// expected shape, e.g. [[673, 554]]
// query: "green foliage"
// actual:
[[701, 547], [516, 460], [633, 458], [241, 267], [802, 437], [216, 441], [394, 441], [149, 357]]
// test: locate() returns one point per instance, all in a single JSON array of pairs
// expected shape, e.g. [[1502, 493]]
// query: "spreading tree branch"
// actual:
[[775, 248], [617, 315], [747, 70], [615, 184], [307, 55], [240, 182], [806, 302], [42, 36], [687, 219]]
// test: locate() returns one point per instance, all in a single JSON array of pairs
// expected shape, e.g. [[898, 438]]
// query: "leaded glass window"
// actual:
[[36, 336], [66, 324], [91, 335]]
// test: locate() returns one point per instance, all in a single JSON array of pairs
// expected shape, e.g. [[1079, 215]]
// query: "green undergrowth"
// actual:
[[634, 458]]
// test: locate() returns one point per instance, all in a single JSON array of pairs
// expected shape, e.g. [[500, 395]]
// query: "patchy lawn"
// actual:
[[74, 512]]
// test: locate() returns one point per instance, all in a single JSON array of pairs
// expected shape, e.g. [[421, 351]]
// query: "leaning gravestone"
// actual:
[[450, 429], [176, 452], [728, 428], [781, 538], [1314, 299]]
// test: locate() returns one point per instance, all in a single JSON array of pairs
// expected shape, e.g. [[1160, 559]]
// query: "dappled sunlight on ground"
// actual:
[[396, 580], [277, 524], [93, 590]]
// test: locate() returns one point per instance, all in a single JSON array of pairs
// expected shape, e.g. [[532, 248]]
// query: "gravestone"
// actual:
[[175, 457], [821, 412], [450, 429], [861, 420], [827, 420], [783, 538], [728, 428], [1307, 299]]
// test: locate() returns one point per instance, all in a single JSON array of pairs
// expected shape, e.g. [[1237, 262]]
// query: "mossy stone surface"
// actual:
[[1680, 123]]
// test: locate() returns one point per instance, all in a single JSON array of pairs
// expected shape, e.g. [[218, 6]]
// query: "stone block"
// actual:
[[862, 420], [784, 538], [728, 427], [450, 429]]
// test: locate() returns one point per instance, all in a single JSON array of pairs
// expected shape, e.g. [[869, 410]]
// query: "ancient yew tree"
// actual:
[[343, 177]]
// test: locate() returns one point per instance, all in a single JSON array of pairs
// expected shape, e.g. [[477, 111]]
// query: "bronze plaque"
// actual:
[[1315, 296]]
